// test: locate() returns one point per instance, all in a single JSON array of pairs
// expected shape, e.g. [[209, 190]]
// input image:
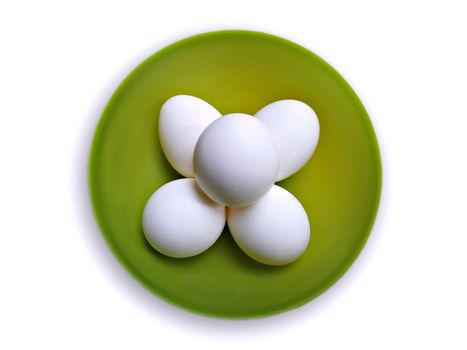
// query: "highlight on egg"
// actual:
[[234, 161]]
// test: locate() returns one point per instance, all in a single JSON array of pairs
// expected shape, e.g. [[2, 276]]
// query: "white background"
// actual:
[[62, 288]]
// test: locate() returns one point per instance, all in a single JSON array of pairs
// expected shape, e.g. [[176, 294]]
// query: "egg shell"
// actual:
[[182, 119], [274, 231], [180, 221], [295, 128], [235, 160]]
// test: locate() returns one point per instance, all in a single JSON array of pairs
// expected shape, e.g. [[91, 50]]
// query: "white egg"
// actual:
[[180, 221], [235, 160], [275, 230], [295, 128], [182, 119]]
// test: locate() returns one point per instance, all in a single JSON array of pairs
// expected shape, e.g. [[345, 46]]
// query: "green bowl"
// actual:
[[237, 71]]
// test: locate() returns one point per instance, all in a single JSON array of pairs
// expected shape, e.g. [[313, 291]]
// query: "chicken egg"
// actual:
[[295, 128], [274, 231], [235, 160], [182, 119], [180, 221]]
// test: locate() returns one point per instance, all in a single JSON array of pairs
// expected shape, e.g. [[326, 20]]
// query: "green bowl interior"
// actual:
[[237, 71]]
